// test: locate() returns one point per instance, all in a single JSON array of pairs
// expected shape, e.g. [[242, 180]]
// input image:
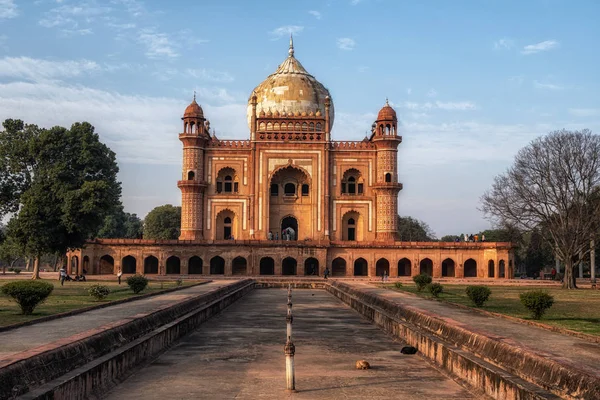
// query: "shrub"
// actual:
[[99, 291], [421, 281], [137, 283], [398, 285], [10, 269], [435, 289], [28, 294], [17, 270], [478, 294], [537, 301], [179, 282]]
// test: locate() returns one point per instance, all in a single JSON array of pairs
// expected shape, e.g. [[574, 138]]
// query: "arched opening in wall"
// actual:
[[195, 265], [361, 267], [238, 266], [217, 266], [289, 189], [173, 265], [288, 266], [305, 190], [470, 268], [85, 266], [426, 267], [267, 266], [388, 177], [107, 265], [128, 265], [448, 267], [382, 266], [289, 228], [491, 269], [352, 182], [151, 265], [501, 270], [74, 265], [352, 226], [226, 225], [227, 181], [404, 267], [191, 175], [311, 266], [338, 267]]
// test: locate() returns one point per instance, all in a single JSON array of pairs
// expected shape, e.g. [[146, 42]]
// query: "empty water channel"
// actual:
[[239, 354]]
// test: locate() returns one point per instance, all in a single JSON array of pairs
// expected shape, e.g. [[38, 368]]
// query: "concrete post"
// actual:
[[593, 259], [289, 348]]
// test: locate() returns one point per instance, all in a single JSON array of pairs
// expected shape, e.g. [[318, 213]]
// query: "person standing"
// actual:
[[62, 274], [326, 274], [119, 274], [466, 237], [553, 273], [384, 276]]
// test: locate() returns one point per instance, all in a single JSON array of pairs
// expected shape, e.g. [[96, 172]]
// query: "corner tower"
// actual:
[[192, 184], [386, 141]]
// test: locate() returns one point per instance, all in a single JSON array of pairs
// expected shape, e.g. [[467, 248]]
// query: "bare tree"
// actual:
[[553, 186]]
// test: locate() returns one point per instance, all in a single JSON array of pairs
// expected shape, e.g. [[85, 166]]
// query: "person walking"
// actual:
[[553, 273], [119, 274], [326, 274], [384, 276], [62, 274]]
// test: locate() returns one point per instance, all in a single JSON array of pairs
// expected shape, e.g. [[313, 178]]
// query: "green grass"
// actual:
[[74, 295], [578, 310]]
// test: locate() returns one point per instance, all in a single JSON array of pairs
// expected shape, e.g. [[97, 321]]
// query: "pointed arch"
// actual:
[[404, 267], [195, 265], [217, 265], [448, 267], [338, 267], [151, 265], [267, 266], [361, 267], [470, 268], [311, 266], [128, 265], [382, 266], [426, 267], [173, 265]]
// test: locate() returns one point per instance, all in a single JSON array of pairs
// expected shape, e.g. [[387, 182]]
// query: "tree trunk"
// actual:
[[36, 268], [569, 277], [57, 258], [28, 264]]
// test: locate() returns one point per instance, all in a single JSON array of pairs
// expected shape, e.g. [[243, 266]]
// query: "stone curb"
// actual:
[[562, 378], [556, 329], [95, 307]]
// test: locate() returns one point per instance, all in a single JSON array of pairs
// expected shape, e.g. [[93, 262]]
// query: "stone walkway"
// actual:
[[239, 354], [43, 333], [581, 354]]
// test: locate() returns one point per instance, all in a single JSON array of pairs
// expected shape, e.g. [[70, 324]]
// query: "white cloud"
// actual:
[[439, 105], [140, 129], [539, 47], [409, 91], [549, 86], [73, 15], [315, 14], [346, 43], [8, 9], [158, 45], [25, 68], [209, 75], [286, 30], [432, 93], [585, 112], [73, 32], [504, 43]]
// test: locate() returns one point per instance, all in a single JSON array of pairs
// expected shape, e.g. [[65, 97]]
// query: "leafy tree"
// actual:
[[121, 224], [553, 186], [65, 183], [413, 230], [163, 223], [538, 253], [10, 252], [449, 238]]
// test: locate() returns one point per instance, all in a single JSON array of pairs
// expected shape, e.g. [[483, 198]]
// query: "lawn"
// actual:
[[73, 295], [578, 310]]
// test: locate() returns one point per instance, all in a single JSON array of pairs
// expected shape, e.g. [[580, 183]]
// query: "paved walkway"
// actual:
[[32, 336], [581, 354], [239, 355]]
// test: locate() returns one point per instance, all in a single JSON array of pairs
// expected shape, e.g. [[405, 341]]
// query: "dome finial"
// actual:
[[291, 50], [194, 95], [386, 102]]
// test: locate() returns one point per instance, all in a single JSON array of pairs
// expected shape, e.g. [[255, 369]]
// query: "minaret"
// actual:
[[192, 184], [386, 140]]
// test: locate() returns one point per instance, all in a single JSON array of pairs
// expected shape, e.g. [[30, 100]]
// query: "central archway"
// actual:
[[238, 266], [426, 267], [291, 223], [404, 267], [128, 265], [491, 269], [311, 266], [288, 266], [338, 267], [448, 267], [173, 265], [107, 265], [382, 266], [217, 266], [195, 265], [470, 268], [151, 265], [267, 266], [361, 267]]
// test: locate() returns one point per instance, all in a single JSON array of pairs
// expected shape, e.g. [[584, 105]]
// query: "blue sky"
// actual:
[[472, 81]]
